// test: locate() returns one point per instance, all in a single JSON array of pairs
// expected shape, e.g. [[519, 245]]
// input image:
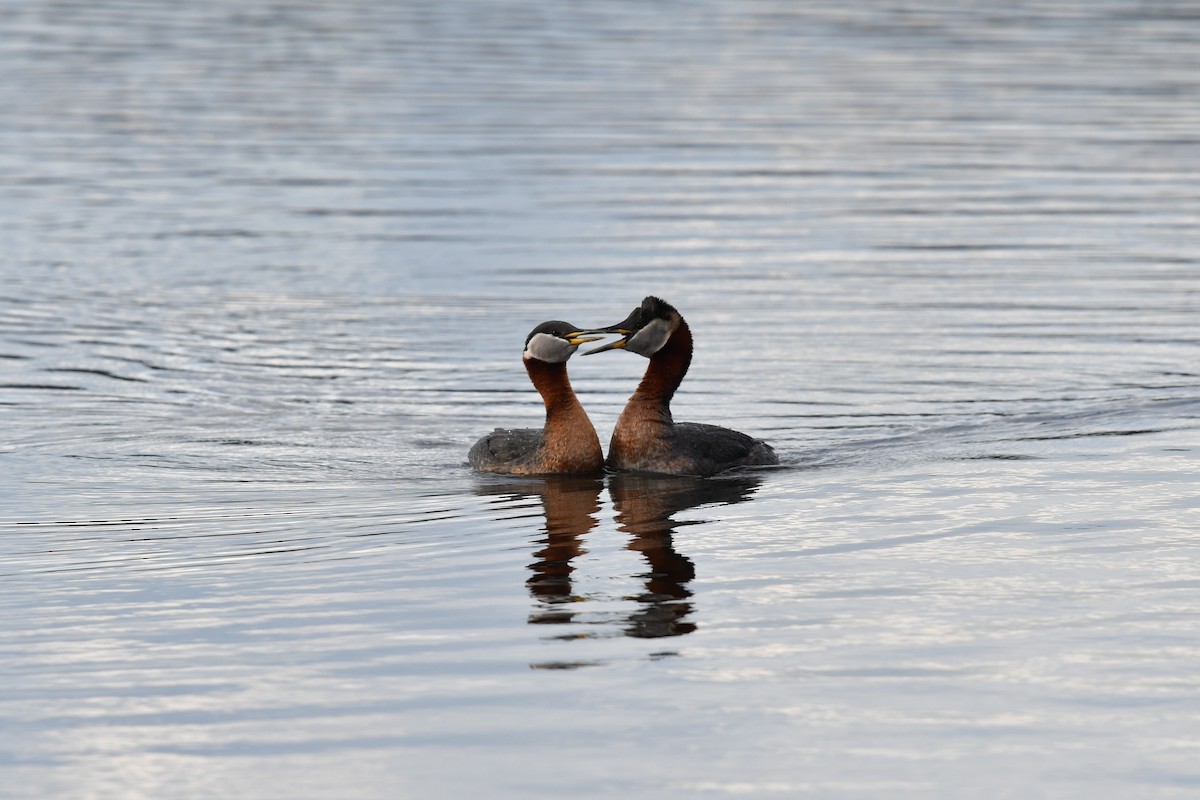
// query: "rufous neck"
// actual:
[[666, 371], [551, 382]]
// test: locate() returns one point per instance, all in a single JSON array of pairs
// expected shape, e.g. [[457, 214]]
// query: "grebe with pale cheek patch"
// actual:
[[647, 439], [567, 443]]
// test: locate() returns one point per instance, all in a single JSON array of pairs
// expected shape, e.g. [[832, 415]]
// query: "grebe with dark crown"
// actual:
[[647, 439], [567, 443]]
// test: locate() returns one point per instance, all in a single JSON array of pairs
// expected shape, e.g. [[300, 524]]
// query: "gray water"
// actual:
[[266, 271]]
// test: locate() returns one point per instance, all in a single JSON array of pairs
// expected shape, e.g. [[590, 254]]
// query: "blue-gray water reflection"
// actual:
[[265, 274]]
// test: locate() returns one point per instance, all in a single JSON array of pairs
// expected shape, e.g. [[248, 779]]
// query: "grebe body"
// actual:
[[646, 438], [567, 443]]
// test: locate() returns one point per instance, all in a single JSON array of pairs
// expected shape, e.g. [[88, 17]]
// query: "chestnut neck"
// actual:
[[666, 371], [552, 384]]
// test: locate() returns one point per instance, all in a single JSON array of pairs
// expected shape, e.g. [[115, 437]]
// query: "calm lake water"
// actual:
[[265, 275]]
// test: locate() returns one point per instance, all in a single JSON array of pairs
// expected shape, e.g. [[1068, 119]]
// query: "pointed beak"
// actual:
[[577, 338], [619, 344]]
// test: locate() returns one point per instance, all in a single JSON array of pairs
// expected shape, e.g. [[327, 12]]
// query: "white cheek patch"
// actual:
[[550, 349], [650, 339]]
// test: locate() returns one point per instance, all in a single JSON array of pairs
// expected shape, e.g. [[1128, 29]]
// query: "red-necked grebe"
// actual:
[[567, 443], [646, 438]]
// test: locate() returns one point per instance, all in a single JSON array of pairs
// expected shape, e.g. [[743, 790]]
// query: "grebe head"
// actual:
[[555, 341], [645, 330]]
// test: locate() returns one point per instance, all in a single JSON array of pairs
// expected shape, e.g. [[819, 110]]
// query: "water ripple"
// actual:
[[267, 275]]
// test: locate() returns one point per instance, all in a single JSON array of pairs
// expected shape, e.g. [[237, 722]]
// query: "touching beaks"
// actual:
[[577, 338], [619, 344]]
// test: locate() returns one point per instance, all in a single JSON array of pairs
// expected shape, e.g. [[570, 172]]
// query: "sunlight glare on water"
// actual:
[[267, 272]]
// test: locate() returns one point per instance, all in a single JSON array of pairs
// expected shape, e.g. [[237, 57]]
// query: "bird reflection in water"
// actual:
[[571, 506], [644, 508]]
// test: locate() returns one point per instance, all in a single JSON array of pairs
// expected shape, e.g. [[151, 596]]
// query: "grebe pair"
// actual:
[[646, 438]]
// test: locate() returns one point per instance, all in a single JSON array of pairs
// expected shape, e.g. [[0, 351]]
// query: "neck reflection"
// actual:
[[645, 506], [571, 506]]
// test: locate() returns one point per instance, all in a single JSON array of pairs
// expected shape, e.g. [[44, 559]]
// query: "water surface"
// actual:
[[266, 274]]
